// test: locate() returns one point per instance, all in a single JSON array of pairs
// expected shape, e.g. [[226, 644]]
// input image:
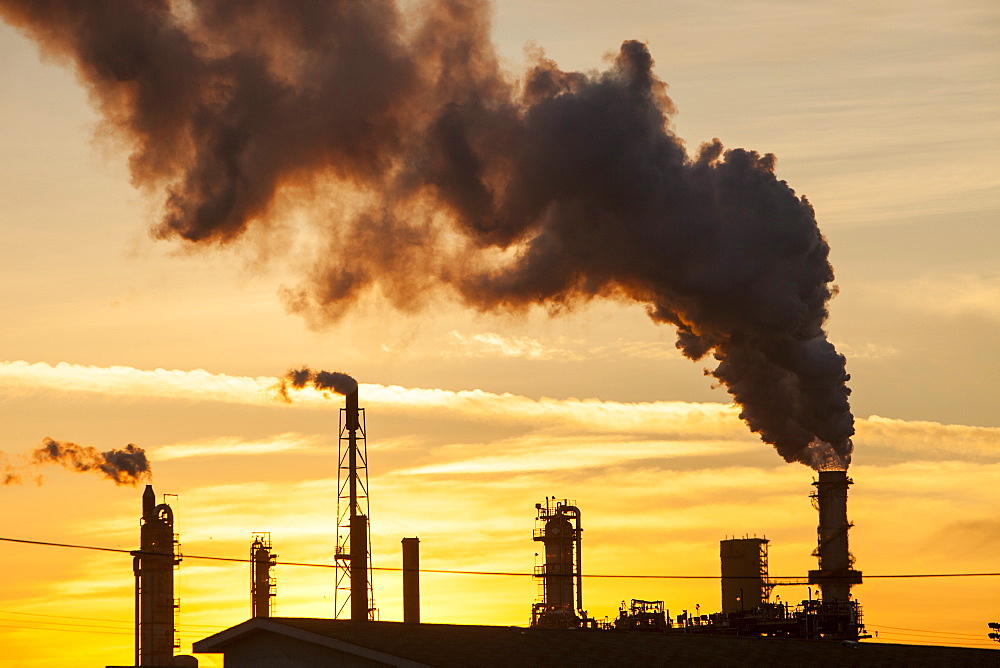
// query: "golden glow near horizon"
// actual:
[[883, 116]]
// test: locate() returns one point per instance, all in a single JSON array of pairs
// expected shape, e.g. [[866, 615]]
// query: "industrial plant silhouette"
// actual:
[[750, 629]]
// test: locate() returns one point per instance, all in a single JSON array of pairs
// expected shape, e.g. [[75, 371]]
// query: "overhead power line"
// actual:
[[466, 572], [95, 619]]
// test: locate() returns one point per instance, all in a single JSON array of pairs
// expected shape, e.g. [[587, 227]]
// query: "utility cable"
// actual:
[[947, 633], [88, 630], [93, 619], [462, 572]]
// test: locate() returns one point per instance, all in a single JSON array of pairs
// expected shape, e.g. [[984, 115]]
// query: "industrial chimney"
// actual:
[[411, 580], [560, 531], [153, 564], [262, 585], [836, 573]]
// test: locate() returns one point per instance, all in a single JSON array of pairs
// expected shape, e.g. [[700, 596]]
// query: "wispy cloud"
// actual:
[[626, 424], [492, 344], [124, 381], [920, 437], [547, 453], [673, 417], [234, 446], [869, 350], [951, 295]]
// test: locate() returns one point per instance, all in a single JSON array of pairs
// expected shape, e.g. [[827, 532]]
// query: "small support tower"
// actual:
[[744, 573], [353, 553], [153, 565], [262, 584], [561, 588]]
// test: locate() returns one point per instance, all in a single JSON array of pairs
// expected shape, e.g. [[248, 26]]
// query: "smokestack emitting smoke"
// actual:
[[127, 466], [325, 381], [551, 189]]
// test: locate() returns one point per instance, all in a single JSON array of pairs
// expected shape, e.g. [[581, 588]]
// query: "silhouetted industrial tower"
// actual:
[[745, 583], [559, 530], [836, 573], [153, 564], [262, 585], [353, 555], [411, 580]]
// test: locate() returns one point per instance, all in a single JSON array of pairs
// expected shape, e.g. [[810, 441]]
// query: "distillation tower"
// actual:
[[353, 552], [558, 529], [262, 583], [153, 565]]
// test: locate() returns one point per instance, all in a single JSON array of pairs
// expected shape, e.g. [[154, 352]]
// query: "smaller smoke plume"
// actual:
[[325, 381], [127, 466], [8, 474]]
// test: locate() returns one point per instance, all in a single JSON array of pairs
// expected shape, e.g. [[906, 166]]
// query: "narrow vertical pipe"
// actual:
[[411, 580], [137, 570], [579, 563], [358, 522], [352, 454]]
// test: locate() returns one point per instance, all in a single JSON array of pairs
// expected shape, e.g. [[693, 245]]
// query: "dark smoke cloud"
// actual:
[[127, 466], [551, 190], [9, 475], [325, 381]]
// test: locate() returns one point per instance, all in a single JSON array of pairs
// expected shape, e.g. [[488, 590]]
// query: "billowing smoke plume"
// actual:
[[325, 381], [127, 466], [551, 189]]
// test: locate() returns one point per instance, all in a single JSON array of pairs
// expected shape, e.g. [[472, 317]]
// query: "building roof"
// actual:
[[448, 646]]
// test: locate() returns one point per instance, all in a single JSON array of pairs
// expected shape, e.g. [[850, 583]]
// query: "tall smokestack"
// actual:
[[351, 405], [358, 521], [411, 580], [153, 565], [836, 573]]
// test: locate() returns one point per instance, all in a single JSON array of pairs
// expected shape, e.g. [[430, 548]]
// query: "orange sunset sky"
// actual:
[[883, 114]]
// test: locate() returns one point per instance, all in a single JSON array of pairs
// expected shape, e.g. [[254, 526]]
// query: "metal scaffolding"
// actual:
[[353, 551]]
